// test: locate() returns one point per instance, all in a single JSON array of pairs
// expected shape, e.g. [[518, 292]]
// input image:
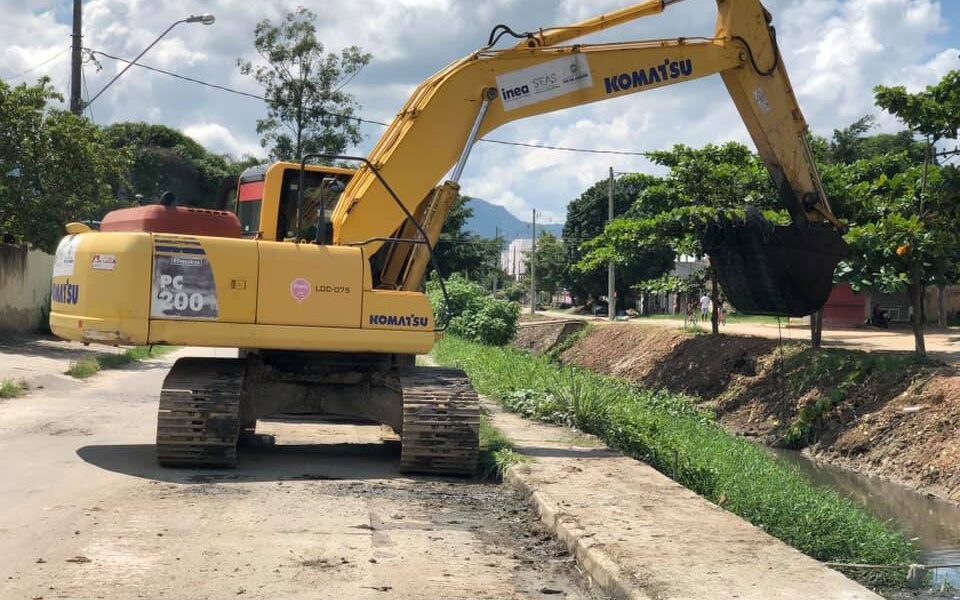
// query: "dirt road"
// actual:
[[941, 343], [85, 512]]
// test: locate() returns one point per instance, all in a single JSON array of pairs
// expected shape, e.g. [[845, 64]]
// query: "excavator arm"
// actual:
[[448, 112]]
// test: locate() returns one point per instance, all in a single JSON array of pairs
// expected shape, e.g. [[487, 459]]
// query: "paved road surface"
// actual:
[[85, 512], [942, 343]]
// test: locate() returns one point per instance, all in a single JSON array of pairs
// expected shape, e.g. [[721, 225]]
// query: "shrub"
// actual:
[[474, 314]]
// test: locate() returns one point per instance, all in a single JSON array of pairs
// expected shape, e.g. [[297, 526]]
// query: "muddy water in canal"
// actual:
[[933, 522]]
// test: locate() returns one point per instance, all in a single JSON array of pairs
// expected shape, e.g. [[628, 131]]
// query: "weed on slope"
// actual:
[[672, 435]]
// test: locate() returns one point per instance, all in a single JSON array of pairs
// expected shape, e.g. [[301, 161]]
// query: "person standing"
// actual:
[[704, 306]]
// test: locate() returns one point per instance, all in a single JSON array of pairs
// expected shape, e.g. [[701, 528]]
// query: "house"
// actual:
[[513, 260]]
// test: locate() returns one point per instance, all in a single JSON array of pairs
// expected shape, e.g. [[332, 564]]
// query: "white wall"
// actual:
[[24, 287]]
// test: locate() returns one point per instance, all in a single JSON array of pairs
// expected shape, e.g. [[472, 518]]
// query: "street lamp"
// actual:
[[204, 19]]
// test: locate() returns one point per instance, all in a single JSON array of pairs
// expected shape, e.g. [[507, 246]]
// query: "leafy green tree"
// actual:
[[586, 218], [460, 251], [850, 144], [904, 237], [702, 186], [307, 109], [56, 167], [166, 160], [551, 263]]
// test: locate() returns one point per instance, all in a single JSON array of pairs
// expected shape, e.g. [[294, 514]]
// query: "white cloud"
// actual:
[[218, 138], [835, 51]]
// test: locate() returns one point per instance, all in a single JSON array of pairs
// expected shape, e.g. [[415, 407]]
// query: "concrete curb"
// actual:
[[601, 569]]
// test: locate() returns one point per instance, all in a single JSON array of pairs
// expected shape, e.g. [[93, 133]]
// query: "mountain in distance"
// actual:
[[487, 217]]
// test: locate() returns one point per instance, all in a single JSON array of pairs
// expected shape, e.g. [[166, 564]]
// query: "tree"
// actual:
[[586, 218], [552, 261], [57, 167], [307, 109], [166, 160], [904, 236], [702, 186], [850, 144], [459, 251]]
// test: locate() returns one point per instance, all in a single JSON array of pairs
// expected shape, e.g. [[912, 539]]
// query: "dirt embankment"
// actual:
[[880, 413]]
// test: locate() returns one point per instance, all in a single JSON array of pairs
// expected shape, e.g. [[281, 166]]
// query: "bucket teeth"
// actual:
[[441, 422], [198, 422]]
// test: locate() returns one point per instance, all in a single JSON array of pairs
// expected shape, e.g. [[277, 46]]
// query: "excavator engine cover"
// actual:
[[768, 269]]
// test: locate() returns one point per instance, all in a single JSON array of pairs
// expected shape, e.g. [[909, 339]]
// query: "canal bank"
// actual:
[[893, 424], [880, 413]]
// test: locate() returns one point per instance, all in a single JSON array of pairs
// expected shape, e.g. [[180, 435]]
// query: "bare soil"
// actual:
[[880, 414]]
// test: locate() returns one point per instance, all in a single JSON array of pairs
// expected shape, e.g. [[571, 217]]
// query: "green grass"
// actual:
[[496, 451], [11, 388], [668, 432], [82, 369]]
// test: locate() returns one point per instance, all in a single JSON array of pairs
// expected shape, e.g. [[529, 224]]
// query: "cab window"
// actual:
[[315, 192]]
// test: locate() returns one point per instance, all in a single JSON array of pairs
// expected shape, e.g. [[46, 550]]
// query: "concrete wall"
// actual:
[[951, 302], [24, 287]]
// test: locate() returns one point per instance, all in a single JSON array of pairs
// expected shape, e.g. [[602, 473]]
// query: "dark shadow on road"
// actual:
[[49, 347], [260, 463], [552, 452]]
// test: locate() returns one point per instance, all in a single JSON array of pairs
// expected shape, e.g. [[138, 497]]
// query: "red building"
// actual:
[[845, 307]]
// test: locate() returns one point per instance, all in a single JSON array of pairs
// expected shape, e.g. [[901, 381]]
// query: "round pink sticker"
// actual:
[[299, 289]]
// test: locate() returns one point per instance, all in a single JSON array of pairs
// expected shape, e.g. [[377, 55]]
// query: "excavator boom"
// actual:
[[449, 111]]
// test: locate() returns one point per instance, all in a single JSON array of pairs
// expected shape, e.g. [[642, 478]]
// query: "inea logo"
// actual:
[[517, 92]]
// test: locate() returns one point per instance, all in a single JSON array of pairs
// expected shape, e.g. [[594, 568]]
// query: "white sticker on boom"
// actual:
[[761, 97], [544, 81]]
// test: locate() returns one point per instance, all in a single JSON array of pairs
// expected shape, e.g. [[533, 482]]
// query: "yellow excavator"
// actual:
[[317, 273]]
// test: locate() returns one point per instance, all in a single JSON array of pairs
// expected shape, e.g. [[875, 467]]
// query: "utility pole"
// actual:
[[76, 102], [611, 286], [533, 267], [496, 238]]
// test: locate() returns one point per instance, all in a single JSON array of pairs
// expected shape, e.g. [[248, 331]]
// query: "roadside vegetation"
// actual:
[[82, 369], [496, 451], [668, 432], [11, 388], [473, 314]]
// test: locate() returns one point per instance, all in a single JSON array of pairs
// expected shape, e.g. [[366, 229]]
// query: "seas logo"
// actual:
[[670, 69], [399, 320], [65, 293]]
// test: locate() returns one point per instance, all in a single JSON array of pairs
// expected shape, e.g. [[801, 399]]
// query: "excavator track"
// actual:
[[199, 419], [441, 422]]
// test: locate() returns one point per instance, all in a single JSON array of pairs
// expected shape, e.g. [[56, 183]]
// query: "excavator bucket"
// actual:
[[775, 270]]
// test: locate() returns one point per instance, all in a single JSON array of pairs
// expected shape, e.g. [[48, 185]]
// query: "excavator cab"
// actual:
[[276, 213]]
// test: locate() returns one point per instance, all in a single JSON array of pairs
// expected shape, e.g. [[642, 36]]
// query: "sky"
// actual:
[[835, 52]]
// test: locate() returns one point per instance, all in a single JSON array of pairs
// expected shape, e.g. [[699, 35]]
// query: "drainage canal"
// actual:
[[933, 522]]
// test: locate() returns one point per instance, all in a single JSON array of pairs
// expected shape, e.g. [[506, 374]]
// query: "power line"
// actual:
[[565, 148], [371, 121], [225, 88], [177, 75], [37, 66]]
